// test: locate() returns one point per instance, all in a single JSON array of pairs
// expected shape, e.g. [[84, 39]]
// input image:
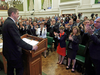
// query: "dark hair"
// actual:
[[96, 14], [86, 16], [92, 19], [10, 10]]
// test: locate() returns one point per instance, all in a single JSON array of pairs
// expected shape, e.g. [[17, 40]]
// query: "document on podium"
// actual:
[[31, 42], [1, 45]]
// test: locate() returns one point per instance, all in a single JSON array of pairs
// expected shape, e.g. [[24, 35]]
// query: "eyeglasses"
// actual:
[[96, 21], [86, 22]]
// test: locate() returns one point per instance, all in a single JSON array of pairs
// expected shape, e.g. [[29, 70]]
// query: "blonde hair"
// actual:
[[78, 31], [62, 28]]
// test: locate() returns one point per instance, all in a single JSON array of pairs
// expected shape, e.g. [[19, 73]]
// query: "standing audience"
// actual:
[[70, 28], [94, 45], [61, 48], [74, 40]]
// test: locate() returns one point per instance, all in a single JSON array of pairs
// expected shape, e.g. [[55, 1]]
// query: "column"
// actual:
[[31, 5], [55, 4], [37, 5], [86, 3], [92, 2], [24, 5]]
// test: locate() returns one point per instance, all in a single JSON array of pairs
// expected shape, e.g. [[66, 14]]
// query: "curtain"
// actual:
[[46, 4], [28, 3], [31, 5], [96, 1]]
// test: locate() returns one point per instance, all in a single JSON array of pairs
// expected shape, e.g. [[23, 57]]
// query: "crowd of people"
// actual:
[[72, 28]]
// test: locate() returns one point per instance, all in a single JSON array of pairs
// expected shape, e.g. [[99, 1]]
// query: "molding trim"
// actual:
[[69, 3]]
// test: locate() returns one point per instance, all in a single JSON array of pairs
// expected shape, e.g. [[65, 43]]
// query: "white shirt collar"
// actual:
[[12, 19]]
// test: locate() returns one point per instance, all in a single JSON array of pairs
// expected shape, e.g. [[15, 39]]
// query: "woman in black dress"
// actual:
[[74, 40]]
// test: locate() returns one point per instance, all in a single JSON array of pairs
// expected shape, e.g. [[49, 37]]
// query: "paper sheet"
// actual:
[[31, 42], [1, 45]]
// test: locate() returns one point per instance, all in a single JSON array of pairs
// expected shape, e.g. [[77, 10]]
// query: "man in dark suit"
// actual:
[[89, 70], [0, 27], [94, 45], [12, 44], [33, 28], [92, 23], [68, 28], [28, 28]]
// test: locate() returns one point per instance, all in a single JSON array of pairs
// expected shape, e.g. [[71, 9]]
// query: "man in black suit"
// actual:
[[94, 45], [33, 28], [68, 28], [28, 28], [89, 70], [12, 44], [92, 23], [0, 27]]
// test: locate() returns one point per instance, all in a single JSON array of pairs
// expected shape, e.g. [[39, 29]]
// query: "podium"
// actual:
[[32, 59]]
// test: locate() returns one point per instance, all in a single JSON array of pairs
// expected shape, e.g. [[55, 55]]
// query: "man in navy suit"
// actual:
[[94, 45], [12, 44]]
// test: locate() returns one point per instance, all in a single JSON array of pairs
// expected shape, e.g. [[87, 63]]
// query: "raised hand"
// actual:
[[70, 38], [90, 30]]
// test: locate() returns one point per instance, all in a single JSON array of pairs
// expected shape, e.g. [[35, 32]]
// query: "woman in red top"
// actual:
[[61, 48]]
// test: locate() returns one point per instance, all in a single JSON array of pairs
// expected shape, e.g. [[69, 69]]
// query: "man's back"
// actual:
[[12, 41]]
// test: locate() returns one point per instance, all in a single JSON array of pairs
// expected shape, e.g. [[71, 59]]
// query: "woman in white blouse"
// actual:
[[41, 32]]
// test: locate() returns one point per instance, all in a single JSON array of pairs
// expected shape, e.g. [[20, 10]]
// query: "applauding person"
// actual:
[[94, 44], [74, 40], [61, 48]]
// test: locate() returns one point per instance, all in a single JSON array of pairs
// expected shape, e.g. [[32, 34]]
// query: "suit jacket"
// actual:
[[62, 41], [12, 41], [22, 31], [0, 29], [33, 31], [75, 42], [28, 30], [68, 31], [48, 25], [85, 41], [94, 46], [56, 28], [53, 29]]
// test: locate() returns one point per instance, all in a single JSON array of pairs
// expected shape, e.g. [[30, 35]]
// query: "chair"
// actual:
[[80, 57], [50, 40], [80, 54], [47, 33]]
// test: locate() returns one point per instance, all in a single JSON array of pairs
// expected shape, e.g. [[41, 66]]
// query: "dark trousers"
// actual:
[[15, 64], [89, 70], [96, 64]]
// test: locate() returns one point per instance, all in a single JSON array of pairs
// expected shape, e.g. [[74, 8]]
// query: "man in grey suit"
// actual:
[[94, 45], [12, 43]]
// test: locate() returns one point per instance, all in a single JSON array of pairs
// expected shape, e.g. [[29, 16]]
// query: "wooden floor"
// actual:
[[50, 66]]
